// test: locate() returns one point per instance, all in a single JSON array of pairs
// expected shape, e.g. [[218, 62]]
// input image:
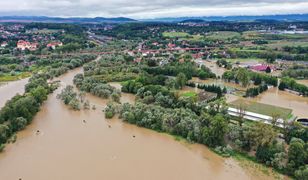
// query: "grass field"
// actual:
[[5, 78], [175, 34], [223, 35], [189, 94], [220, 35], [46, 31], [246, 60], [264, 109], [251, 35], [280, 44], [183, 36], [193, 38]]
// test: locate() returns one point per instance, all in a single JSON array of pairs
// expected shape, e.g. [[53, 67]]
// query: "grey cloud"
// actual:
[[150, 8]]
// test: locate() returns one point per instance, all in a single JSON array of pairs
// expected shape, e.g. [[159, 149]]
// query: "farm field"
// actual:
[[261, 108]]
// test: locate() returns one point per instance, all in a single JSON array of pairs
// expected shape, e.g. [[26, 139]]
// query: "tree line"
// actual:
[[21, 109], [255, 91], [290, 83], [244, 76]]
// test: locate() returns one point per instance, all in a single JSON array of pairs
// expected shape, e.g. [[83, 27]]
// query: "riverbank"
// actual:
[[10, 89]]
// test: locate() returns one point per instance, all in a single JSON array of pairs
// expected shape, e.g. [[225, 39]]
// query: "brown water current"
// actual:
[[83, 145], [10, 89]]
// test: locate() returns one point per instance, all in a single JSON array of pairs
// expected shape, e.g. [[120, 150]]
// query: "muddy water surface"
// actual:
[[10, 89], [273, 96], [80, 145], [219, 71], [304, 82]]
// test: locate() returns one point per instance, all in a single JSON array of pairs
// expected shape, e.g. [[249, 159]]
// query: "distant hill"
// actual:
[[64, 20], [287, 17], [193, 21]]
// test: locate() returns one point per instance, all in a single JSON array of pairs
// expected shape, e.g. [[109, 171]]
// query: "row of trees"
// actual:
[[295, 73], [57, 66], [21, 109], [188, 68], [295, 49], [252, 92], [213, 88], [290, 83], [243, 76]]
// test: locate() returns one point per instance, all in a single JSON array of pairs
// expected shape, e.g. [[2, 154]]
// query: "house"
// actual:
[[197, 56], [4, 44], [163, 62], [262, 67], [53, 45], [171, 46], [131, 53], [23, 45], [155, 43]]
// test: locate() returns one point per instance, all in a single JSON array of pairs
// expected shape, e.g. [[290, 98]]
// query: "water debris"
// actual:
[[84, 121], [134, 136], [109, 126], [38, 132]]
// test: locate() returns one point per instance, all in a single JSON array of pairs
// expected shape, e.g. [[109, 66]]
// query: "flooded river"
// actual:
[[10, 89], [67, 148]]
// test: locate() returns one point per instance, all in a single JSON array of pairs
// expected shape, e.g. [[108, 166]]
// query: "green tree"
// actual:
[[214, 134], [297, 153], [39, 93], [75, 104], [302, 173], [243, 76], [181, 80]]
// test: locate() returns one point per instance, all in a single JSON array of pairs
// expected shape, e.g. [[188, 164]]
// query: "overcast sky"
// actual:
[[142, 9]]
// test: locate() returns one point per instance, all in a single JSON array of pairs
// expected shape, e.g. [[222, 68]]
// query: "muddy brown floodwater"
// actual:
[[304, 82], [219, 71], [80, 145], [10, 89], [273, 96]]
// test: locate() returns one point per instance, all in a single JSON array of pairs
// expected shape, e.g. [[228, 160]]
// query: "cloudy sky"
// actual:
[[143, 9]]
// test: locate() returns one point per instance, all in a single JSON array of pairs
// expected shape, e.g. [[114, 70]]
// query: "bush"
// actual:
[[302, 173]]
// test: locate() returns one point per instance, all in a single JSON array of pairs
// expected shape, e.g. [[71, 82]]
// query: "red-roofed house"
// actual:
[[171, 46], [53, 45], [23, 45], [197, 56], [262, 67]]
